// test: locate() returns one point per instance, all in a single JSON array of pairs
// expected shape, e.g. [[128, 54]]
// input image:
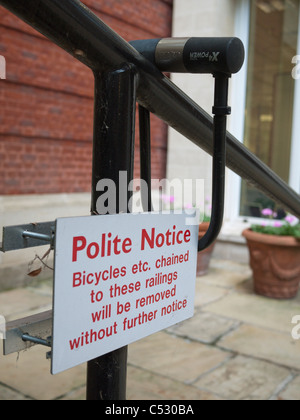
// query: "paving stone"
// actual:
[[76, 395], [169, 366], [227, 274], [264, 344], [29, 374], [245, 287], [206, 293], [204, 327], [143, 385], [257, 310], [231, 267], [7, 394], [42, 288], [174, 357], [292, 391], [21, 302], [243, 378]]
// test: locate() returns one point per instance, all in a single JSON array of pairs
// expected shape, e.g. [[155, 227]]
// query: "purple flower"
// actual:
[[188, 206], [168, 198], [277, 224], [267, 212], [291, 219]]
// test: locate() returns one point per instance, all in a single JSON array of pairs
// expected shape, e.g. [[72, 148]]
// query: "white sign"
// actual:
[[119, 279]]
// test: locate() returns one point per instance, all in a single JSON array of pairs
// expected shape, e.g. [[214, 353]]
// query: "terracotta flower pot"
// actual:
[[204, 257], [275, 261]]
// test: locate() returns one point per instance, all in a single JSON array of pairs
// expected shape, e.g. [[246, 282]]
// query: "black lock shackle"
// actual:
[[220, 57]]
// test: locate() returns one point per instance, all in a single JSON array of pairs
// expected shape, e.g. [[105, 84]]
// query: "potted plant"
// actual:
[[274, 248]]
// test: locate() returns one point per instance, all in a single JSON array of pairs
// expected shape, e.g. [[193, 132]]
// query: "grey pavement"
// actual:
[[238, 346]]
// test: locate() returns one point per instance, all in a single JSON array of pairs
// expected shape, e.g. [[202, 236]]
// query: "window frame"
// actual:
[[237, 121]]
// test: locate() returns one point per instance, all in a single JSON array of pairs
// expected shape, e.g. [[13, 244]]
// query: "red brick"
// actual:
[[46, 103]]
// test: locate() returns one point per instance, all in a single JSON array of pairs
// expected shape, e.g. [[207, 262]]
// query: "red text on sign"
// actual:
[[170, 238], [108, 246]]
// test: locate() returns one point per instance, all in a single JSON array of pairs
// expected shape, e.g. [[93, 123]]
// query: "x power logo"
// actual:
[[214, 57]]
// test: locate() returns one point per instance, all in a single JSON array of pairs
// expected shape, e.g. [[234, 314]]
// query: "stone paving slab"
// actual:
[[257, 310], [260, 343], [243, 378], [75, 395], [204, 327], [144, 385], [207, 293], [20, 303], [7, 394], [174, 357], [29, 374], [292, 391], [238, 346], [229, 266], [227, 274]]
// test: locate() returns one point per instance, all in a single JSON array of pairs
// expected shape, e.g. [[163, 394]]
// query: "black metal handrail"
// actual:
[[92, 42], [122, 76]]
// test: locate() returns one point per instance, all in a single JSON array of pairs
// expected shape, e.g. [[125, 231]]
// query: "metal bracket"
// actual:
[[27, 236], [26, 332], [36, 340]]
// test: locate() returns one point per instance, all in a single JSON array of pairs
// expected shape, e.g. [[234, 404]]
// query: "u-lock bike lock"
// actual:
[[194, 55], [220, 57]]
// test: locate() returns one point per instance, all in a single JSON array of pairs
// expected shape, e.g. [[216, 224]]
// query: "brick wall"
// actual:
[[46, 102]]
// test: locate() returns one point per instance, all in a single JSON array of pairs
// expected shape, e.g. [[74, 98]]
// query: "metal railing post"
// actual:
[[114, 128]]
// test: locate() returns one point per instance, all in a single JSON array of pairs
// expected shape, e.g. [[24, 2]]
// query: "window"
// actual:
[[270, 92]]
